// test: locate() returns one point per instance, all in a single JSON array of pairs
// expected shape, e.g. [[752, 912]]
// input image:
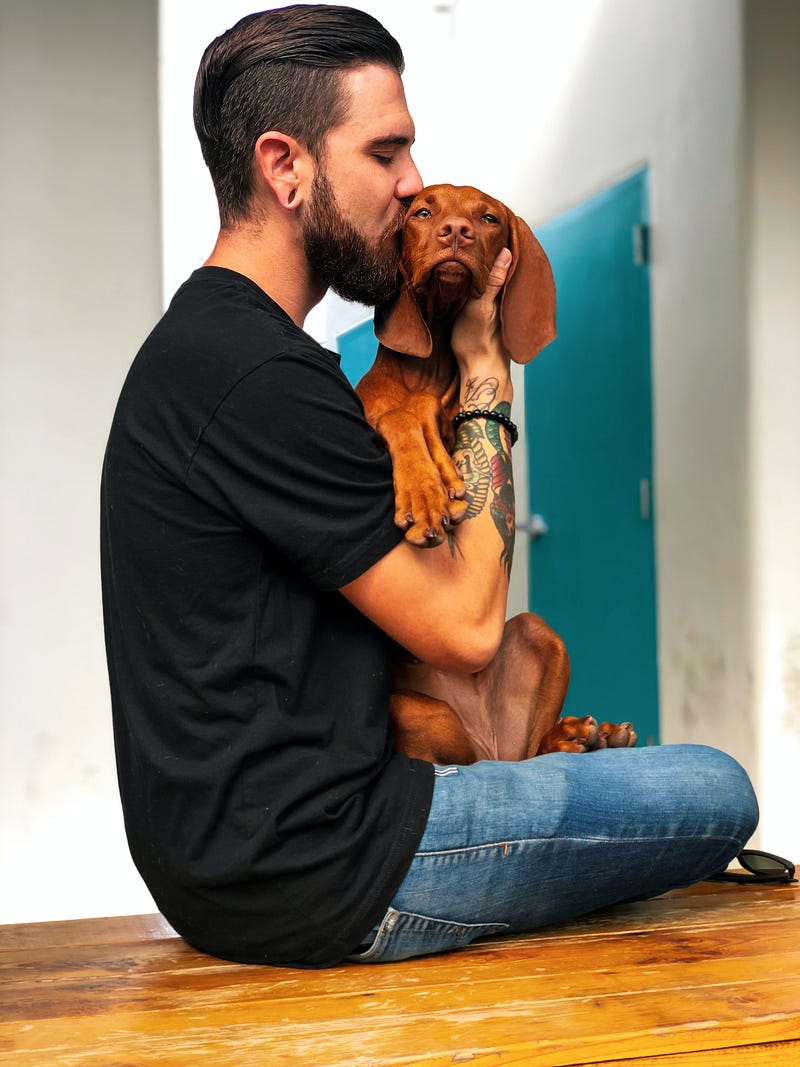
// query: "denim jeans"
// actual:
[[515, 846]]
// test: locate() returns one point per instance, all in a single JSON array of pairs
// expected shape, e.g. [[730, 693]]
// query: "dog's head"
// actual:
[[451, 237]]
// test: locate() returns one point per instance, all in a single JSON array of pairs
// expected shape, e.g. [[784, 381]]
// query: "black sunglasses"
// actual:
[[759, 868]]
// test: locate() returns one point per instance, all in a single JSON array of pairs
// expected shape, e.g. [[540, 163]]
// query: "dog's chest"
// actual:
[[438, 374]]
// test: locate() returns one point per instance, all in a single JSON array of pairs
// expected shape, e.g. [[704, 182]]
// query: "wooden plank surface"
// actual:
[[701, 976]]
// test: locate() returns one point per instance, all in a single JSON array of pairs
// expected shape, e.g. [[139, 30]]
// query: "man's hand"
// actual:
[[476, 339]]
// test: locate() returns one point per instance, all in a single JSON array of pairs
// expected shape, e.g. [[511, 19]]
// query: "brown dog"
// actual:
[[510, 710]]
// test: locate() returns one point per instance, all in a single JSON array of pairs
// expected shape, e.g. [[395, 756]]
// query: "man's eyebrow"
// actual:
[[396, 140]]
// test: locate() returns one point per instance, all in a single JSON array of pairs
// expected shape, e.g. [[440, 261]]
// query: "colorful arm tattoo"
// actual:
[[488, 478]]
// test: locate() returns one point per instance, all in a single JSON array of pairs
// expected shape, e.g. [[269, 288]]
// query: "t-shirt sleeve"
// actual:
[[290, 456]]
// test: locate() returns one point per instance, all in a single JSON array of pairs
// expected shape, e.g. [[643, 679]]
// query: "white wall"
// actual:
[[79, 288], [571, 98], [773, 33]]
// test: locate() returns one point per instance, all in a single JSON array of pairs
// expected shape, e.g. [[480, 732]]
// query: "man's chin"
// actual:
[[368, 283], [349, 264], [368, 290]]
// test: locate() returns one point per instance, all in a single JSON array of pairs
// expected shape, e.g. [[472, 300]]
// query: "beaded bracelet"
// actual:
[[493, 416]]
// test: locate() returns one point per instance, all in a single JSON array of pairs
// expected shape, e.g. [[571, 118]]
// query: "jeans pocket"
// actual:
[[402, 934]]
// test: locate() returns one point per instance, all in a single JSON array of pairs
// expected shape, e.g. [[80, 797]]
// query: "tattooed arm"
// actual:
[[483, 457], [447, 605], [483, 448]]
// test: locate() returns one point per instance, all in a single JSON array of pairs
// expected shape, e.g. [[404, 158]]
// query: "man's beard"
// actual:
[[341, 256]]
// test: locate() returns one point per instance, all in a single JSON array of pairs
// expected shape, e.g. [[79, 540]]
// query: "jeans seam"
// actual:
[[582, 839], [396, 912]]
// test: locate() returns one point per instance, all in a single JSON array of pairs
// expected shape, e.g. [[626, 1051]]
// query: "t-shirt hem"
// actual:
[[329, 949], [404, 848]]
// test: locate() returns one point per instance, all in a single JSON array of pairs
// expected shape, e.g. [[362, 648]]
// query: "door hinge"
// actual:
[[641, 244]]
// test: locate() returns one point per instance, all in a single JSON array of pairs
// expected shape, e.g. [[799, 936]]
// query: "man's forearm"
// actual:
[[483, 456], [485, 465], [482, 545]]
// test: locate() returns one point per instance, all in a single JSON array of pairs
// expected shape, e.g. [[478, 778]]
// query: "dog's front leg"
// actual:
[[428, 488]]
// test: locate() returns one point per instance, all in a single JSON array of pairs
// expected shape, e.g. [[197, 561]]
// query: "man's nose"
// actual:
[[410, 183]]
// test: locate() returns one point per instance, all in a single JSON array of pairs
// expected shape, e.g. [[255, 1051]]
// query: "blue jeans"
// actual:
[[515, 846]]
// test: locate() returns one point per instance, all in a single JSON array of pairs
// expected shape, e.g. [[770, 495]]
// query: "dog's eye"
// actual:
[[423, 213], [492, 219]]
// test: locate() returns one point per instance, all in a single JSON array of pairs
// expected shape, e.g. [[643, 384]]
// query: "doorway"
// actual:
[[588, 409]]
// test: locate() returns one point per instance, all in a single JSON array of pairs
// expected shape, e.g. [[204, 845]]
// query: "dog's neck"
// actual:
[[441, 327], [440, 314], [441, 303]]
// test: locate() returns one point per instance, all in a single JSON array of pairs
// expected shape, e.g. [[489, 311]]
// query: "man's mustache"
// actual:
[[394, 228]]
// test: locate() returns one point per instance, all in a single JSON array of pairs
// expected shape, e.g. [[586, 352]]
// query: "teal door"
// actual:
[[589, 435], [357, 347]]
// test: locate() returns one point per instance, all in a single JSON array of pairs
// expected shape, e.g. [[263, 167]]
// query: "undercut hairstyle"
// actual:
[[279, 70]]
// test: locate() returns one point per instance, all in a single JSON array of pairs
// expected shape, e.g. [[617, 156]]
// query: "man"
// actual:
[[252, 571]]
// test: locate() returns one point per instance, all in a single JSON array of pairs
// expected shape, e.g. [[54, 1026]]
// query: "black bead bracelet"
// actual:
[[492, 416]]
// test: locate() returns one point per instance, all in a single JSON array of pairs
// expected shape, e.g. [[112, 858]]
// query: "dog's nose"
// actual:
[[456, 230]]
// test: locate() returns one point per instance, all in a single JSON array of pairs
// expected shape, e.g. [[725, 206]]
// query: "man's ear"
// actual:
[[284, 166]]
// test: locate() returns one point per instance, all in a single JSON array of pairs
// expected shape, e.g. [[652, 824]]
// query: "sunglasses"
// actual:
[[759, 868]]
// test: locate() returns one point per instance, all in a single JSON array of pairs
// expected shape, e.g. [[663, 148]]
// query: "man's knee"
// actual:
[[728, 783]]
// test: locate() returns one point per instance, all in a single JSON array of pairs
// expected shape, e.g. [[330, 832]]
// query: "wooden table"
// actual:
[[705, 976]]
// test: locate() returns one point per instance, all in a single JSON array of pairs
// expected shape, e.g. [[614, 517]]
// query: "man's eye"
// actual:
[[490, 219], [385, 160], [423, 213]]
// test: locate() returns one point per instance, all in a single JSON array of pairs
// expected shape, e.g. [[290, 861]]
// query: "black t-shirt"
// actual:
[[242, 486]]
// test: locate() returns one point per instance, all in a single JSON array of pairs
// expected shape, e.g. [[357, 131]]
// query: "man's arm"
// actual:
[[447, 605]]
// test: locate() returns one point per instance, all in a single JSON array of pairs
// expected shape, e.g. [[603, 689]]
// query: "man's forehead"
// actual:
[[376, 106]]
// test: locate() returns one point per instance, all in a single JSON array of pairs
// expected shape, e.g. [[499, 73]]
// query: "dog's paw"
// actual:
[[570, 734], [616, 735], [426, 514], [425, 533]]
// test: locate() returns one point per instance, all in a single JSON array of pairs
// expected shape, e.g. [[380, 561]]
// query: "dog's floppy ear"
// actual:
[[528, 301], [399, 324]]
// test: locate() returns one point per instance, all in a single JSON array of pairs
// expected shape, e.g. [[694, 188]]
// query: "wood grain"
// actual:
[[705, 976]]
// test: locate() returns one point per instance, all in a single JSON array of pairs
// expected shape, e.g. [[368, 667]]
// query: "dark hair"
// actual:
[[279, 70]]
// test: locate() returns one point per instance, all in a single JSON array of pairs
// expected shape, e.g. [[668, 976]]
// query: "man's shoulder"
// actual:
[[219, 311], [223, 350], [219, 328]]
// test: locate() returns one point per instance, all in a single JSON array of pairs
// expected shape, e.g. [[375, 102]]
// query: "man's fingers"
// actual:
[[476, 332], [497, 275]]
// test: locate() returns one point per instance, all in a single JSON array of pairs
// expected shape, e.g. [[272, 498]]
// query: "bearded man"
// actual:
[[253, 576]]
